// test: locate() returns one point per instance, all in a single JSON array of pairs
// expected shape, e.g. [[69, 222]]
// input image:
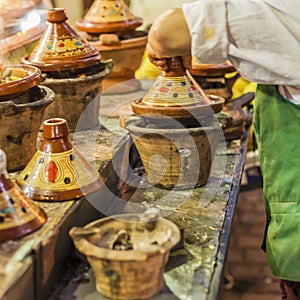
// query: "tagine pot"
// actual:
[[22, 107], [111, 28], [19, 215], [176, 130], [214, 79], [176, 95], [57, 171], [175, 156], [127, 254], [73, 69]]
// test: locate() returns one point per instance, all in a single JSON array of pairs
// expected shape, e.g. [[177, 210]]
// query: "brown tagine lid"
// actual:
[[17, 79], [108, 16], [19, 215], [176, 94], [57, 171], [60, 47], [211, 70]]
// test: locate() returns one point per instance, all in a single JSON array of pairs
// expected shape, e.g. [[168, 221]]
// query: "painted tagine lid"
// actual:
[[108, 16], [60, 47], [57, 171], [19, 215], [176, 94], [17, 79]]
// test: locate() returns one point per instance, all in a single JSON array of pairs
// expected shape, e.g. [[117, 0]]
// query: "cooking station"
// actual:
[[45, 264]]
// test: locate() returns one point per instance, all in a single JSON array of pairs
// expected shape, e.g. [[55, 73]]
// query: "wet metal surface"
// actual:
[[204, 215]]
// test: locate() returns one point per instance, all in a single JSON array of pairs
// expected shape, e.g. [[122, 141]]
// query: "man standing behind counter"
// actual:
[[262, 40]]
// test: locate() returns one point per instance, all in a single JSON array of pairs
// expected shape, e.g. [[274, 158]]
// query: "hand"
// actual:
[[161, 62], [163, 41]]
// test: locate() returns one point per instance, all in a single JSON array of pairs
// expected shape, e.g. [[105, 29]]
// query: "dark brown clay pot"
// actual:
[[19, 215], [20, 121], [77, 98], [57, 171]]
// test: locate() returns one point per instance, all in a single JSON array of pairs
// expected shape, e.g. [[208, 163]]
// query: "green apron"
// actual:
[[277, 130]]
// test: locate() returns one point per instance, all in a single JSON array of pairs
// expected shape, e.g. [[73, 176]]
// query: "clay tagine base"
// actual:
[[127, 54]]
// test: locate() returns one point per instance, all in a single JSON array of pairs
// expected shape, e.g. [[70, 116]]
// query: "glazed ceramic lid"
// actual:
[[57, 171], [176, 94], [107, 16], [17, 79], [19, 215], [60, 47]]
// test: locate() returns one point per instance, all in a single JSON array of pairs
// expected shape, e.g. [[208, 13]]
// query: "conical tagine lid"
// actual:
[[60, 47], [19, 215], [176, 94], [57, 171], [107, 16]]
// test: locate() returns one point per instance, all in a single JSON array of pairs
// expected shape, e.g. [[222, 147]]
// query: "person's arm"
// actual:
[[261, 38]]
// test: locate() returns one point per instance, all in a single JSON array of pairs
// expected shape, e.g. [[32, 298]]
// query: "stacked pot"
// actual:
[[111, 28], [176, 131], [73, 69]]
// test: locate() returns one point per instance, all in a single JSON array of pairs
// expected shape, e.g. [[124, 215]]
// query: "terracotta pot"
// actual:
[[20, 121], [77, 97], [127, 255], [57, 171], [127, 56], [60, 48], [212, 78], [110, 26], [72, 67], [175, 156], [19, 215]]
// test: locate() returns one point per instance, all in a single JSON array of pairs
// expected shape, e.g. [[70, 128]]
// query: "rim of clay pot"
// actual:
[[215, 70], [12, 107], [108, 27], [105, 68], [57, 65], [178, 112], [24, 229], [30, 76], [81, 237], [138, 125]]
